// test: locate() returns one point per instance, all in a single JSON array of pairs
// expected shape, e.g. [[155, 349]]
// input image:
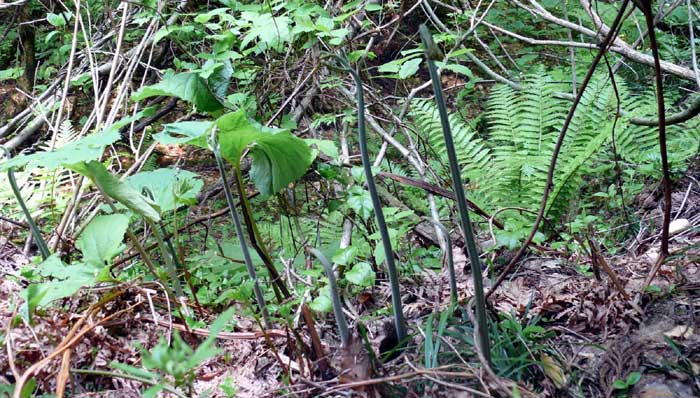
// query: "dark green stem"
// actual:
[[431, 52], [168, 255], [335, 296], [278, 285], [36, 233], [376, 204], [259, 298]]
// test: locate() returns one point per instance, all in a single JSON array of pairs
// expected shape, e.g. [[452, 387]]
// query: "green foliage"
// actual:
[[86, 149], [640, 144], [431, 347], [518, 347], [100, 242], [279, 157], [361, 274], [507, 166], [473, 153], [177, 359], [188, 86], [118, 190], [622, 386], [170, 188]]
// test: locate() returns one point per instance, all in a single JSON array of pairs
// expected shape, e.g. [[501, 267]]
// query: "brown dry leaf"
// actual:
[[354, 362]]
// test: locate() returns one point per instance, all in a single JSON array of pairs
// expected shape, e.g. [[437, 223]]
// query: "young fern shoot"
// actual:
[[335, 296], [376, 204], [36, 233], [259, 298], [432, 53]]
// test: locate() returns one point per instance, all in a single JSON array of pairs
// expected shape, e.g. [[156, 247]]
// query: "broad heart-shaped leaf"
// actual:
[[188, 86], [102, 239], [171, 188], [361, 274], [118, 190], [279, 157], [85, 149]]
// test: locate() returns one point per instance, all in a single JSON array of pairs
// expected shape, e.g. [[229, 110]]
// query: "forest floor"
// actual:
[[599, 335]]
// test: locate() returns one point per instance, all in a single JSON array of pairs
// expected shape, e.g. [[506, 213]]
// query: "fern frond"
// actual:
[[472, 152]]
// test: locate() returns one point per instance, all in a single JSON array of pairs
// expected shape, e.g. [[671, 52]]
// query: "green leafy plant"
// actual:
[[260, 299], [507, 167], [518, 347], [622, 386], [99, 243], [176, 360]]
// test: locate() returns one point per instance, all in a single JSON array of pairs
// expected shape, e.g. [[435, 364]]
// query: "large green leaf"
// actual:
[[118, 190], [279, 157], [85, 149], [188, 86], [192, 132], [171, 188], [361, 274], [102, 239]]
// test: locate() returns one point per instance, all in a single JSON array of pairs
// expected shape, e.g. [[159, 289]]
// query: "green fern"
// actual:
[[508, 168], [473, 153], [640, 144], [39, 186]]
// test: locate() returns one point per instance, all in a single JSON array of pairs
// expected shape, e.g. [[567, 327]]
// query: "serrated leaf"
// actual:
[[270, 31], [102, 239], [361, 202], [361, 274], [188, 86]]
